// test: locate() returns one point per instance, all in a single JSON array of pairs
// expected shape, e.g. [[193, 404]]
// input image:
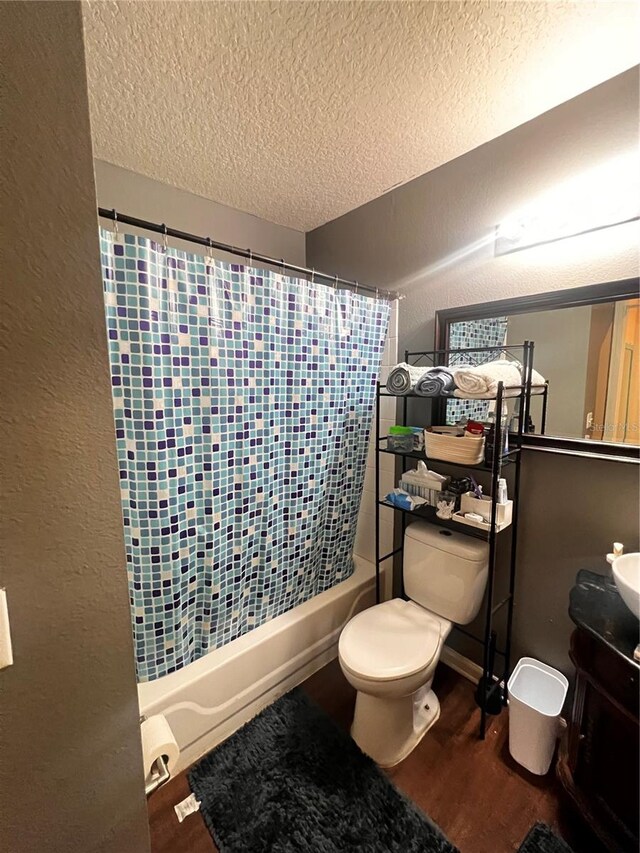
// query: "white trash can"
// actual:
[[536, 696]]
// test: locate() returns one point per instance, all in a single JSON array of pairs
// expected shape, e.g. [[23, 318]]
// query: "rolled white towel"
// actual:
[[481, 382]]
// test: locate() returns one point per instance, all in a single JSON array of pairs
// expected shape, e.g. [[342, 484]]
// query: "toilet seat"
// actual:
[[391, 641]]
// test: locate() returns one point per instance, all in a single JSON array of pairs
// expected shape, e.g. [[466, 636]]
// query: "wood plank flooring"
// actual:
[[472, 789]]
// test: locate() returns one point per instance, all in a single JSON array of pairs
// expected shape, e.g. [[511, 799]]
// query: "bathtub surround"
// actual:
[[432, 237], [243, 400], [71, 776], [292, 780]]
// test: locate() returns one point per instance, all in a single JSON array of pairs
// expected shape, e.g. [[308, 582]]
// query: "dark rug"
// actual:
[[291, 780], [541, 839]]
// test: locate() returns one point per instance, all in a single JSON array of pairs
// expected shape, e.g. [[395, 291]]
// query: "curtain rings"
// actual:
[[164, 236], [281, 266], [355, 292], [114, 214], [313, 275], [335, 283]]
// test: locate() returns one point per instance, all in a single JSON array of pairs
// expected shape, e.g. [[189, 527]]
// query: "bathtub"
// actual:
[[209, 699]]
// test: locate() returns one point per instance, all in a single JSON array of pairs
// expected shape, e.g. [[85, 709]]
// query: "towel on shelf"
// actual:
[[481, 382], [537, 381], [436, 382], [403, 377]]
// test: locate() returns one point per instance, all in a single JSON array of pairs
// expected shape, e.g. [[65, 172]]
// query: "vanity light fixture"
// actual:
[[605, 196]]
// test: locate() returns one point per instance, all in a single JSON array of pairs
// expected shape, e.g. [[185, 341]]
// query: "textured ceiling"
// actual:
[[300, 111]]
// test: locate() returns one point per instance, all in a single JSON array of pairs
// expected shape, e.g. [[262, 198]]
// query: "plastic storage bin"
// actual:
[[536, 696], [400, 439]]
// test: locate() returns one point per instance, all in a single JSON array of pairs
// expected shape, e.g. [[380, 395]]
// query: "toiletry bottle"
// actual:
[[502, 491], [506, 426], [489, 439], [618, 550]]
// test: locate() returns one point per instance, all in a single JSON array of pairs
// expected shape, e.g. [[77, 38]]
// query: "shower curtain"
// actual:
[[243, 401]]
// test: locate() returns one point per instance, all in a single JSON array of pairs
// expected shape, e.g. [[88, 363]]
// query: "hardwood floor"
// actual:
[[481, 799]]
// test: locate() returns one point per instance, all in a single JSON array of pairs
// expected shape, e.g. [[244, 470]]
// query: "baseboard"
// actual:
[[460, 664]]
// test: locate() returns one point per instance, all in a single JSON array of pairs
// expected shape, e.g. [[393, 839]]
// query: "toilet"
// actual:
[[389, 652]]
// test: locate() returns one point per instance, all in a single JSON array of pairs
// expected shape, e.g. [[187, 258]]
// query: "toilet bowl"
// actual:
[[389, 652]]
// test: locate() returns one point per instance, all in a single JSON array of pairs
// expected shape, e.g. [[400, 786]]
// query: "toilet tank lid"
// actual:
[[448, 541]]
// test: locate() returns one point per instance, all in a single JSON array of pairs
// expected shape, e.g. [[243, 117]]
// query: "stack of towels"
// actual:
[[467, 382]]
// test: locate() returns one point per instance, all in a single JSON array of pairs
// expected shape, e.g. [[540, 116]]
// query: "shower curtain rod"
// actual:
[[163, 229]]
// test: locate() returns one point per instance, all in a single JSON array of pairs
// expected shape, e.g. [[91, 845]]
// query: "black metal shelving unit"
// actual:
[[491, 694]]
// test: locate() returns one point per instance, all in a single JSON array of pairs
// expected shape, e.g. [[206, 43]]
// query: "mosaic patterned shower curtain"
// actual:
[[243, 401]]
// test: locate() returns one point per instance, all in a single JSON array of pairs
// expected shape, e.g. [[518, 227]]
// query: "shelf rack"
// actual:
[[491, 694]]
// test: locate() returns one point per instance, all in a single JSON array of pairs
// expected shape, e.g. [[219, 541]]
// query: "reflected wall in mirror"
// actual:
[[588, 352]]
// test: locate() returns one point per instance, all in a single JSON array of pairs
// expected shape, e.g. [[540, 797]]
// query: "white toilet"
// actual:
[[389, 653]]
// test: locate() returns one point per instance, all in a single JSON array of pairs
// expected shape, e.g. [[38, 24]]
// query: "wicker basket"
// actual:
[[465, 450]]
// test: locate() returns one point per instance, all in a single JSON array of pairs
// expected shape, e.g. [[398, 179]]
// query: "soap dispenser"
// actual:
[[618, 549]]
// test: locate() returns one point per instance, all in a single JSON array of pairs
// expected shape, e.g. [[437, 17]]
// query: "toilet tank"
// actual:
[[444, 571]]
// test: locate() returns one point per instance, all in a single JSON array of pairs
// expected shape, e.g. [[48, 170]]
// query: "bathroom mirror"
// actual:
[[587, 346]]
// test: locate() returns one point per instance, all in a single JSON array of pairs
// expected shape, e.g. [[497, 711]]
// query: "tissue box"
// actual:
[[425, 487]]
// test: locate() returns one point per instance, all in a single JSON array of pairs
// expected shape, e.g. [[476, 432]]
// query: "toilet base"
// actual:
[[388, 729]]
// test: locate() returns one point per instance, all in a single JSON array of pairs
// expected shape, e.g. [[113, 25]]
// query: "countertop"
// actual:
[[596, 606]]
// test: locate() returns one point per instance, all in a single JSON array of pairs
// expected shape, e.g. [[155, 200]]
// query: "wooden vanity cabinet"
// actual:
[[599, 754]]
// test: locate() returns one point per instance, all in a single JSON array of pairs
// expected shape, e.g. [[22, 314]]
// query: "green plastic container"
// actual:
[[400, 439]]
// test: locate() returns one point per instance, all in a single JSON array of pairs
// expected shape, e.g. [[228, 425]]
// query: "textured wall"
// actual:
[[71, 770], [572, 510], [145, 198], [432, 238], [299, 112]]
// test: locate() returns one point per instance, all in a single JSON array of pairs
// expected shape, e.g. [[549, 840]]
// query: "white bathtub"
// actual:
[[211, 698]]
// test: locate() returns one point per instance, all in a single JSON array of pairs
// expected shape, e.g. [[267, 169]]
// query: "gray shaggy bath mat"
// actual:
[[541, 839], [291, 781]]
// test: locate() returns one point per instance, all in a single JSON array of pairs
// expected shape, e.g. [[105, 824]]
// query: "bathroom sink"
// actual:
[[626, 573]]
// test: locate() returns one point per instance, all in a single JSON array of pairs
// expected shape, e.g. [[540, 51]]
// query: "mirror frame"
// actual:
[[592, 294]]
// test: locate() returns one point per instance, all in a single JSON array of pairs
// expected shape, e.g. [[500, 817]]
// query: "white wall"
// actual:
[[145, 198], [365, 536]]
